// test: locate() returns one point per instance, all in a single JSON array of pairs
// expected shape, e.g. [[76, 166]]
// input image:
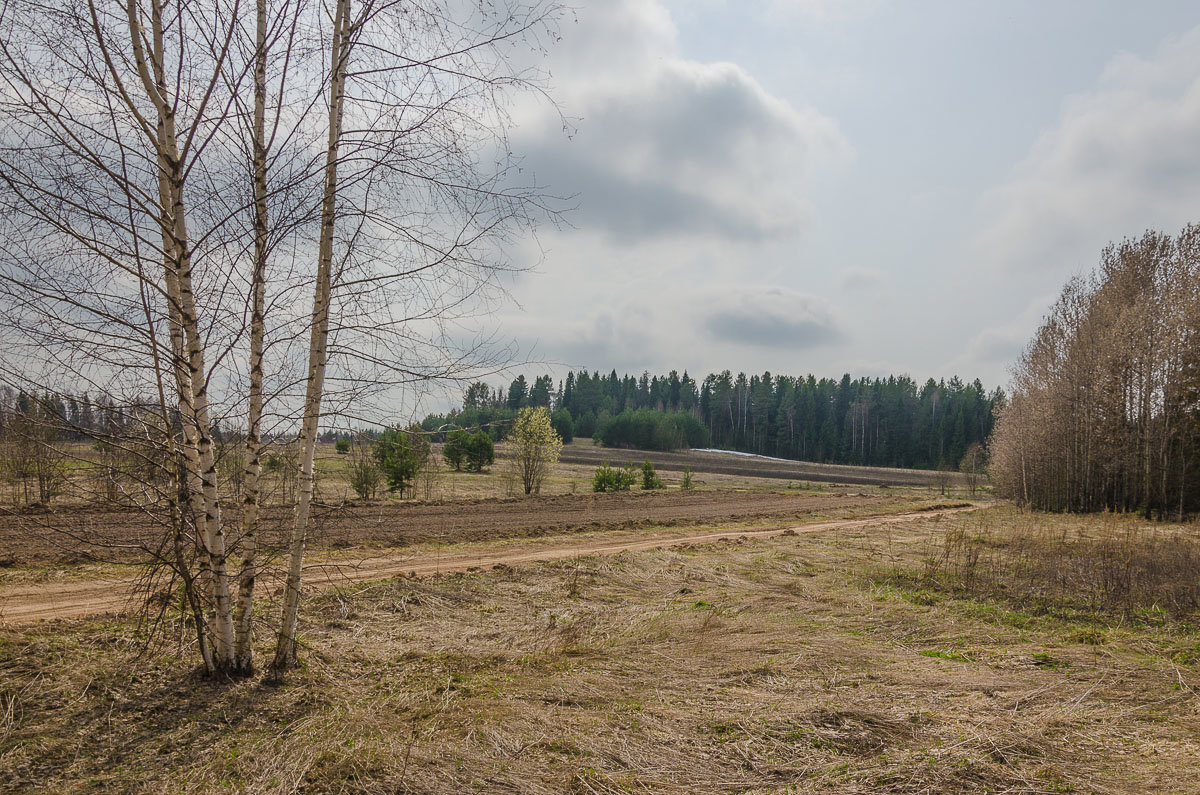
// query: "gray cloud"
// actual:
[[667, 146], [771, 317], [616, 336], [860, 279]]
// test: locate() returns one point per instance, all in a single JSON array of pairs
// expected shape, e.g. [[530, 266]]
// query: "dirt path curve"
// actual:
[[25, 604]]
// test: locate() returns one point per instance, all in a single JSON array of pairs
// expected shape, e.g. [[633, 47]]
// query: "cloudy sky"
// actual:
[[858, 186]]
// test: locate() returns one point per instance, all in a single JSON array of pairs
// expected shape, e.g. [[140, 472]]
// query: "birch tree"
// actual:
[[418, 188], [251, 217], [107, 113], [1104, 413]]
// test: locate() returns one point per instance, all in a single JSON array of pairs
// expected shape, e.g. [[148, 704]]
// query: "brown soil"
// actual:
[[69, 535], [23, 604]]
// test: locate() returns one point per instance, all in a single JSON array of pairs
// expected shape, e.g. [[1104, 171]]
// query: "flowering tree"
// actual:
[[536, 447]]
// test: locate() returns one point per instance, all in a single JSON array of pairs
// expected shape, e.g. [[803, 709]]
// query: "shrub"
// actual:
[[650, 478], [536, 446], [342, 446], [397, 458], [614, 479], [478, 451], [686, 485], [454, 451]]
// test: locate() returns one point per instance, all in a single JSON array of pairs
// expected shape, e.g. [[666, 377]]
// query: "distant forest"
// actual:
[[892, 422]]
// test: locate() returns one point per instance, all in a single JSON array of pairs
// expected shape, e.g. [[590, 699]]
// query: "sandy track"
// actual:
[[25, 604]]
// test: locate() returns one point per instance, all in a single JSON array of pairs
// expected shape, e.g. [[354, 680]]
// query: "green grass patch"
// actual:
[[940, 654]]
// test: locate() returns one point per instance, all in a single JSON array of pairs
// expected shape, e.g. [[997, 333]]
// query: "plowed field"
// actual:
[[725, 463], [74, 535]]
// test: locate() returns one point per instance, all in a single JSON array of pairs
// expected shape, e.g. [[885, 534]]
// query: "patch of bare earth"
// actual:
[[785, 664], [73, 534]]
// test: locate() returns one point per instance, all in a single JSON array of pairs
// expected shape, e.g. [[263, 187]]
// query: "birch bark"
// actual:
[[286, 647]]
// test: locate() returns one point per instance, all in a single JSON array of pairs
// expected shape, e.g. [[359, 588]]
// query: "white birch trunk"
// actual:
[[186, 341], [243, 651], [286, 647]]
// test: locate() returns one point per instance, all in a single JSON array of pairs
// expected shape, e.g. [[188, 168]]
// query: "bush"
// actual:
[[610, 479], [454, 451], [686, 485], [647, 429], [479, 451], [650, 478], [342, 446], [536, 446]]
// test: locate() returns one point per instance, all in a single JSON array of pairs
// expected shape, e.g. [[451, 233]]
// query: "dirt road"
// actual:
[[24, 604]]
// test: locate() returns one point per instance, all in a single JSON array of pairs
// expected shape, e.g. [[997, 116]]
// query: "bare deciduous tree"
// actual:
[[1102, 416], [175, 240]]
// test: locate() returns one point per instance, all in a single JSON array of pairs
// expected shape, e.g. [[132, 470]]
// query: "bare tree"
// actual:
[[414, 97], [108, 114], [1102, 417], [972, 466], [161, 235]]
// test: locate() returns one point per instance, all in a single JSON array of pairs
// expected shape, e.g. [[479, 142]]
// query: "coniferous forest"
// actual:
[[893, 422]]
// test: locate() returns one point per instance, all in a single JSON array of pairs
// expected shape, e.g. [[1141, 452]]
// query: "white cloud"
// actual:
[[1122, 157], [821, 11], [998, 347]]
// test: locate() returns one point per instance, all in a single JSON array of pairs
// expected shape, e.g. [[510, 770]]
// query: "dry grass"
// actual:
[[1103, 567], [774, 666]]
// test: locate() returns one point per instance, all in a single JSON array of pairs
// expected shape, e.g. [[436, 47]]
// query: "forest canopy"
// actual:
[[890, 421]]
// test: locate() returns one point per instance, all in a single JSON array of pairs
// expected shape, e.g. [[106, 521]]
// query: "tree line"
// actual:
[[1105, 412], [892, 422]]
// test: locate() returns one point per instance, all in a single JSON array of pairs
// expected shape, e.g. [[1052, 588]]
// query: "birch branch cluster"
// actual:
[[254, 216]]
